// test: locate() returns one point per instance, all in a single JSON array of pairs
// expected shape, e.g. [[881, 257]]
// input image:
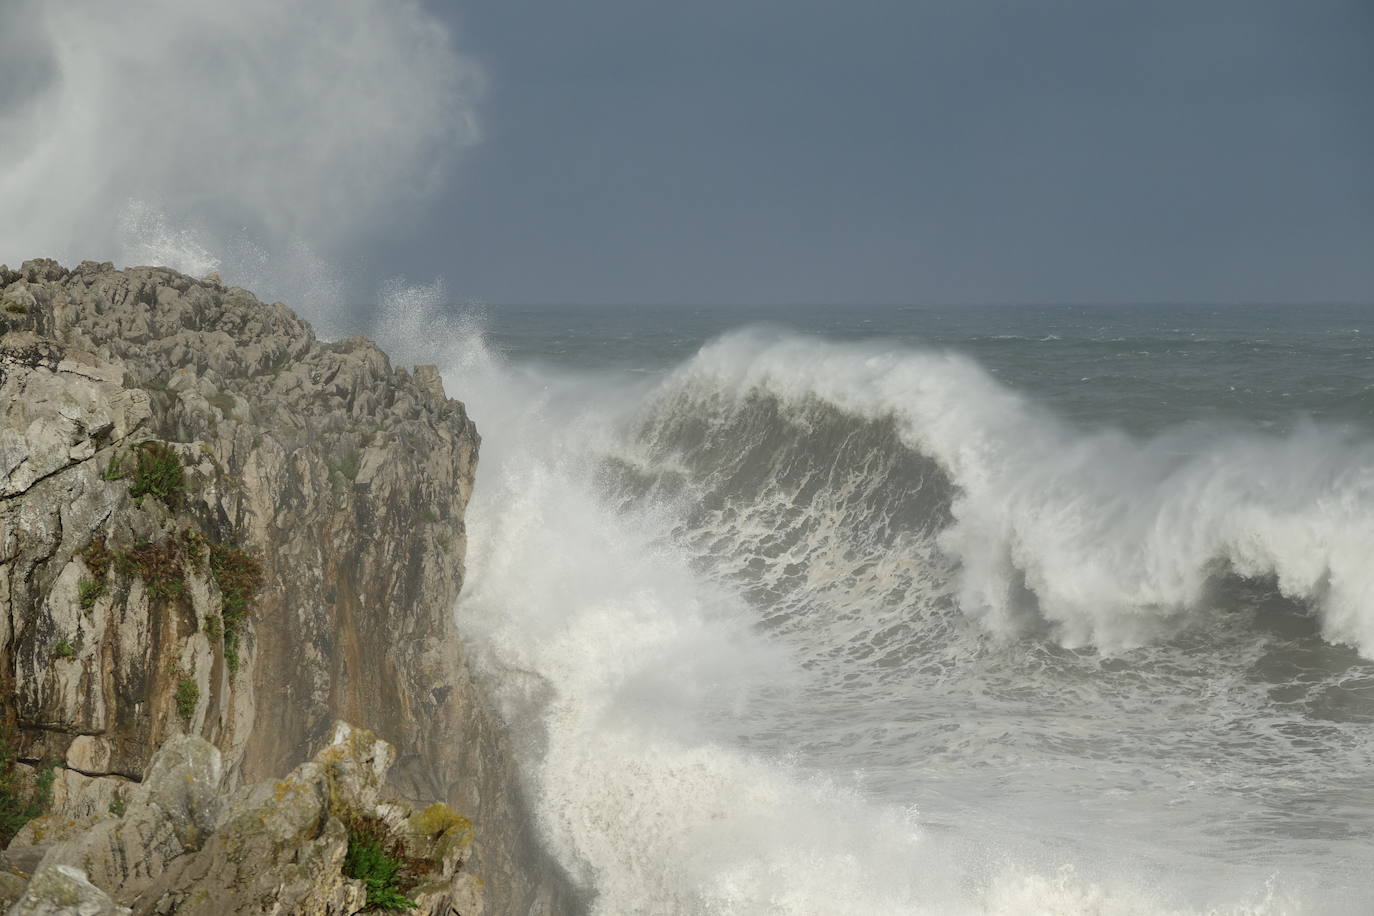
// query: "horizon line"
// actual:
[[1044, 303]]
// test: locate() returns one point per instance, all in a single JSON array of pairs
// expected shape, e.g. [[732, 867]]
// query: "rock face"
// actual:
[[284, 846], [60, 890], [213, 524]]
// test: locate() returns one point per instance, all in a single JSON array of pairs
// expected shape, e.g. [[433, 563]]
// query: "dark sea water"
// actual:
[[1141, 367], [1034, 609]]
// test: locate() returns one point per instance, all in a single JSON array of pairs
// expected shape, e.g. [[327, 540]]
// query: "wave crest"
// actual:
[[1108, 539]]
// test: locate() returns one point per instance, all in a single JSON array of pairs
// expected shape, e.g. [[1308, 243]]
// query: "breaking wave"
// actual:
[[1106, 539], [798, 628]]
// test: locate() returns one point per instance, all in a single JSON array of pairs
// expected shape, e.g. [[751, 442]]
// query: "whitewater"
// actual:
[[901, 612]]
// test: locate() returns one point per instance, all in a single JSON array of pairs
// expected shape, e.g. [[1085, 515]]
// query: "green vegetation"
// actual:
[[158, 565], [188, 698], [368, 861], [239, 577], [113, 470], [158, 472], [427, 516], [15, 810], [97, 557], [14, 308], [193, 545], [118, 807], [63, 649], [89, 591], [163, 566]]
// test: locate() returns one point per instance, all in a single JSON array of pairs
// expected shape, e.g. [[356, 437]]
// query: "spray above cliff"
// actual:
[[257, 138]]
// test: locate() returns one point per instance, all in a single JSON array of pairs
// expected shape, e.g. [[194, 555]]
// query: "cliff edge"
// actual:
[[213, 524]]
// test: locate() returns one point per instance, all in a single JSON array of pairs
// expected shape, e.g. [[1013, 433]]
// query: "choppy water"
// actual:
[[913, 610]]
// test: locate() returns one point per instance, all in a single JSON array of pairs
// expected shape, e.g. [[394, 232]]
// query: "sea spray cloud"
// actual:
[[193, 132]]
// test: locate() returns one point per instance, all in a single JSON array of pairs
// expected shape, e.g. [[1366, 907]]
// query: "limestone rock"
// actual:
[[60, 890], [346, 477], [187, 846]]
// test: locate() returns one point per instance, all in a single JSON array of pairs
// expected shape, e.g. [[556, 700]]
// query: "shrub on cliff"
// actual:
[[368, 861], [187, 698], [97, 557], [239, 576], [158, 565], [158, 471], [89, 591]]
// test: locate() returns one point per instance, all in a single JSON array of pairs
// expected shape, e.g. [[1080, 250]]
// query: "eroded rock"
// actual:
[[188, 845], [345, 477], [60, 890]]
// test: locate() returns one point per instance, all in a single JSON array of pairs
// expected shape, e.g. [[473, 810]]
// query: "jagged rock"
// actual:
[[60, 890], [189, 847], [347, 477]]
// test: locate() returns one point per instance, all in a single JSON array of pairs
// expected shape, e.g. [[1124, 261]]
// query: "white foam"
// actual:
[[1117, 538], [628, 677]]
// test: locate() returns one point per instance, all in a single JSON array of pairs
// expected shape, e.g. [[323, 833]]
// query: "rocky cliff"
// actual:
[[213, 524], [323, 841]]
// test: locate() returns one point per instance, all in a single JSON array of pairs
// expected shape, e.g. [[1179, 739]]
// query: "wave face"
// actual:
[[1110, 540], [799, 626]]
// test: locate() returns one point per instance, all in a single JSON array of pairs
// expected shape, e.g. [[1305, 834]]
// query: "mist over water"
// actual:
[[259, 139]]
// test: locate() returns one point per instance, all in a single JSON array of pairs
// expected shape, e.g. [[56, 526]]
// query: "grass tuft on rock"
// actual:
[[158, 565], [114, 470], [158, 472], [368, 861], [193, 545], [89, 591], [97, 557], [239, 577], [188, 698]]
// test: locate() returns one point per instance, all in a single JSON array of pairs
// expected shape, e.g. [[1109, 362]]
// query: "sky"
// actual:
[[712, 152], [760, 151]]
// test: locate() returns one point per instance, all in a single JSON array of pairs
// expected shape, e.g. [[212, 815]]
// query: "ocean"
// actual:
[[890, 610]]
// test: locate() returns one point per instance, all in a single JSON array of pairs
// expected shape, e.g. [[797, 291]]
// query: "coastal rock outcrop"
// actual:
[[213, 524], [323, 841]]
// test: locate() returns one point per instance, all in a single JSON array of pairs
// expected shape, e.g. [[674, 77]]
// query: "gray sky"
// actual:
[[761, 151], [711, 151]]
